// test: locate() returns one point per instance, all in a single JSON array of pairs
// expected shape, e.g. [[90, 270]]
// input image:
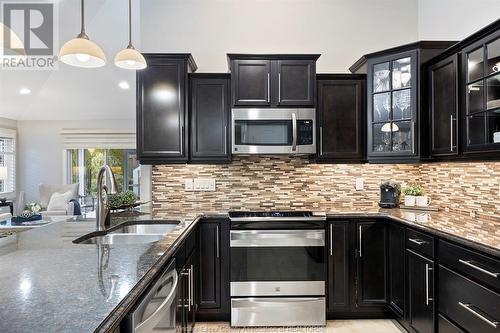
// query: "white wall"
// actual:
[[8, 123], [454, 19], [341, 30], [40, 150]]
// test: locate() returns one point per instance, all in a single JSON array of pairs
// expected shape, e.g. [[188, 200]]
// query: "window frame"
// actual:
[[10, 134]]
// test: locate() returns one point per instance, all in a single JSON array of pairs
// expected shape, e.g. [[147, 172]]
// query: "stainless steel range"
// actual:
[[278, 268]]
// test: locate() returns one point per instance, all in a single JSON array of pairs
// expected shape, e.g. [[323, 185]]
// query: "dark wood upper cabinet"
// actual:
[[162, 99], [296, 82], [481, 96], [371, 242], [273, 80], [443, 105], [341, 110], [396, 125], [251, 82], [210, 112]]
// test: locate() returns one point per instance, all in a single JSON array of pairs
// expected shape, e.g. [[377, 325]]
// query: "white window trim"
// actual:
[[11, 134]]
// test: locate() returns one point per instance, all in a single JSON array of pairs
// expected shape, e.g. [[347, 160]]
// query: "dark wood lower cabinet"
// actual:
[[396, 268], [371, 279], [420, 293], [339, 272], [213, 294], [446, 326]]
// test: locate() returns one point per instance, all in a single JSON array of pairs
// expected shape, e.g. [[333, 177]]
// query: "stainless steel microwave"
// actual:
[[273, 131]]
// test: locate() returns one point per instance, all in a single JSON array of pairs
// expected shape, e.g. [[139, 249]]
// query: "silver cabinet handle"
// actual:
[[412, 137], [482, 270], [191, 286], [279, 88], [294, 132], [417, 241], [451, 132], [182, 140], [321, 140], [225, 139], [427, 272], [360, 241], [217, 241], [470, 307], [331, 239], [268, 88]]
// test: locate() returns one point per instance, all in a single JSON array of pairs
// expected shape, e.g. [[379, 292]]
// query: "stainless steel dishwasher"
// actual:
[[156, 311]]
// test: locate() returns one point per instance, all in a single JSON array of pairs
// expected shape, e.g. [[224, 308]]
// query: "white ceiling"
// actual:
[[70, 93]]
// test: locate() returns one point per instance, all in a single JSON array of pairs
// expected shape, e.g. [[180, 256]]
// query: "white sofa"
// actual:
[[46, 192]]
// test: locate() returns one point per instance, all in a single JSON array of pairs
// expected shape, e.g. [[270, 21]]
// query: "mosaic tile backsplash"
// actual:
[[275, 182]]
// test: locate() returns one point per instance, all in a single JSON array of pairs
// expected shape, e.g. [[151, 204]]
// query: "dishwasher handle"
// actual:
[[149, 323]]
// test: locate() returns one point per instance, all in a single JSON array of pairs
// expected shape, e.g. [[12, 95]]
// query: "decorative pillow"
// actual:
[[59, 201]]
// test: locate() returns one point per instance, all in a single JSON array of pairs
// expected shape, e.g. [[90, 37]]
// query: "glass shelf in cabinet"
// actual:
[[401, 73], [475, 129], [493, 62], [401, 104], [475, 97], [381, 107], [475, 65], [381, 77]]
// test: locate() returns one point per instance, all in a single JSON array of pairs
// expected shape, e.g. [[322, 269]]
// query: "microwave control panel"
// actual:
[[304, 132]]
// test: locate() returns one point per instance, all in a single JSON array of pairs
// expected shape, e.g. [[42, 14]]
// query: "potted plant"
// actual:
[[411, 192]]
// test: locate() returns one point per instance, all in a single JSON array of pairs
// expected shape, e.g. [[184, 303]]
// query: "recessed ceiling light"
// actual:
[[25, 91], [123, 85]]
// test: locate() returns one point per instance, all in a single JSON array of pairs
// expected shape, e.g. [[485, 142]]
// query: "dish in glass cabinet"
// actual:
[[382, 80]]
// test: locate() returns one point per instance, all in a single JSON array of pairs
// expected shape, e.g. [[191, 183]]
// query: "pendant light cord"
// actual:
[[83, 17], [130, 24]]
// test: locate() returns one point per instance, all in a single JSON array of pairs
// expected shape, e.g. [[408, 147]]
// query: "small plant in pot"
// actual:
[[411, 192]]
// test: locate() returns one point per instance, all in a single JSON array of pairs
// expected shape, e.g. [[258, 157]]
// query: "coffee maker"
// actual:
[[389, 194]]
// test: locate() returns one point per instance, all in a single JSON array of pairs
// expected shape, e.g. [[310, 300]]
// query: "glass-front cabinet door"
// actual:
[[392, 105], [482, 95]]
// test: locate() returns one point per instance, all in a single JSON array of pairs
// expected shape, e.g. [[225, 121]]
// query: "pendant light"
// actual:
[[130, 58], [81, 51]]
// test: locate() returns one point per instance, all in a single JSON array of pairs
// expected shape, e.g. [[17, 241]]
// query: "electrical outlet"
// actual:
[[204, 185], [360, 184], [188, 184]]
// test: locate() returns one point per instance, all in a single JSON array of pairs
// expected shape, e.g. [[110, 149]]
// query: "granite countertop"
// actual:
[[49, 284], [53, 285], [481, 233]]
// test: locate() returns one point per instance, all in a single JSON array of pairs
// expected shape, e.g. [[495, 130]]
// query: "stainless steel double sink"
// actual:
[[136, 233]]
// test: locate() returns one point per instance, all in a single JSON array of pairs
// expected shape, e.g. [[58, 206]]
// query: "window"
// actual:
[[7, 161], [84, 166]]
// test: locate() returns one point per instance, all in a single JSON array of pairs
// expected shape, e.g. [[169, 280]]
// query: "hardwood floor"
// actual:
[[333, 326]]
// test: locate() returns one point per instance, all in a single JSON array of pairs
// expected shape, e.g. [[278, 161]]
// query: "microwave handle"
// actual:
[[294, 132]]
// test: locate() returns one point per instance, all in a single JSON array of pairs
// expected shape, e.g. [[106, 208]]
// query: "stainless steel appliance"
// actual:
[[278, 268], [156, 312], [273, 131]]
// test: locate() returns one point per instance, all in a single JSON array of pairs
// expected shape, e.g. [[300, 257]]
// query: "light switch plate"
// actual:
[[360, 184], [188, 184], [204, 184]]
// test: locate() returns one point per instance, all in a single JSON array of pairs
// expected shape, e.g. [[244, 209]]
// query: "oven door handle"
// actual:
[[294, 132], [149, 323], [277, 238]]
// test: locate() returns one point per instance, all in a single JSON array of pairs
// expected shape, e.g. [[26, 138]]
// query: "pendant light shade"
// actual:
[[130, 58], [15, 51], [81, 51]]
